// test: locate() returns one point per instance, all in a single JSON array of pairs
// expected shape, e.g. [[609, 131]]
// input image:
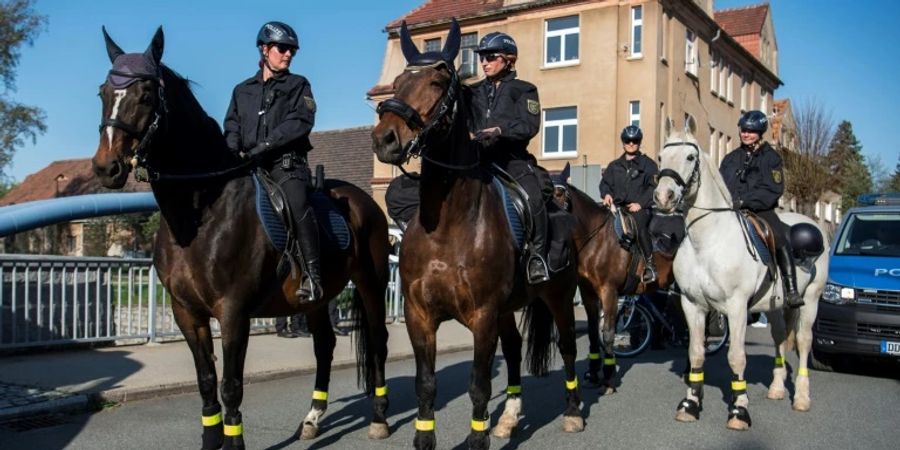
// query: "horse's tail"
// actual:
[[365, 361], [539, 322]]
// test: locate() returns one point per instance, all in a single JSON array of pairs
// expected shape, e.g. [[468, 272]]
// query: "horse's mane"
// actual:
[[180, 97]]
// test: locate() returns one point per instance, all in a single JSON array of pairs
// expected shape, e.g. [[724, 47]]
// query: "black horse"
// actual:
[[211, 252], [459, 258]]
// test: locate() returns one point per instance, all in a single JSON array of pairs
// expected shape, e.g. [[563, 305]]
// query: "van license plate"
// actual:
[[892, 348]]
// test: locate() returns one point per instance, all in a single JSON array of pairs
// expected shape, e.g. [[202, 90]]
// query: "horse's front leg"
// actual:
[[235, 336], [779, 337], [511, 343], [422, 331], [690, 406], [738, 411], [197, 333], [319, 323], [485, 333]]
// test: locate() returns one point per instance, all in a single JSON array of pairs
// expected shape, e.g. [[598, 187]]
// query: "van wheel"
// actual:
[[820, 362]]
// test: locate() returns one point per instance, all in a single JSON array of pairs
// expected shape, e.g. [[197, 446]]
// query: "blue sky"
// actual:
[[843, 55]]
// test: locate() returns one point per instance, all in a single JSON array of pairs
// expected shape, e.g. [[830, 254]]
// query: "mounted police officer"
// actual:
[[753, 173], [505, 116], [628, 182], [269, 120]]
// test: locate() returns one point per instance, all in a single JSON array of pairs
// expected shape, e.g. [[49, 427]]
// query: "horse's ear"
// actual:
[[451, 48], [670, 126], [154, 51], [564, 175], [112, 49], [690, 125], [410, 52]]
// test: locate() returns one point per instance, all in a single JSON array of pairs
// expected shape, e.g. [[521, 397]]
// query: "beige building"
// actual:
[[601, 65]]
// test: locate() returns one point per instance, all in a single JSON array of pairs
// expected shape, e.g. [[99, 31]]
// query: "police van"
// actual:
[[859, 312]]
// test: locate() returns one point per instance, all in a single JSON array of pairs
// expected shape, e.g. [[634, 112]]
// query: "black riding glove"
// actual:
[[488, 137], [257, 152]]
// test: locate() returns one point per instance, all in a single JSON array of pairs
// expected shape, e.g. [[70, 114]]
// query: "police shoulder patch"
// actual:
[[776, 175], [310, 103], [534, 107]]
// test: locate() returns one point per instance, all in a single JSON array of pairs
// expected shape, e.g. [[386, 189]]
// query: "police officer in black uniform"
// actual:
[[505, 116], [628, 182], [269, 120], [753, 173]]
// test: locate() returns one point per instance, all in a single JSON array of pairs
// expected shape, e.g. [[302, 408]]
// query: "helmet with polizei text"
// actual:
[[498, 42], [754, 121], [277, 33]]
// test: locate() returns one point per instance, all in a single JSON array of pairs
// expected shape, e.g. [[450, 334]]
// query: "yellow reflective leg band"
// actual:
[[803, 372], [320, 395], [695, 377], [479, 425], [594, 356], [739, 385], [425, 425], [779, 361], [381, 391], [572, 384], [215, 419], [609, 361], [512, 390], [234, 430]]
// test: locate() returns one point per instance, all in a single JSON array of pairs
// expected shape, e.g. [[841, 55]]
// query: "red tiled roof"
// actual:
[[436, 10], [743, 20], [63, 179]]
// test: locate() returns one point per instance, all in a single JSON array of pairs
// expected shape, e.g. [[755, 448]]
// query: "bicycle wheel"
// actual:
[[633, 330], [716, 332]]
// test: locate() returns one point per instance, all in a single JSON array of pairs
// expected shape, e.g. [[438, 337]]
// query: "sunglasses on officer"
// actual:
[[631, 142], [284, 48], [489, 57]]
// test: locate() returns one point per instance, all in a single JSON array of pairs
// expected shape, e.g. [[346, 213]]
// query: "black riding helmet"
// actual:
[[498, 42], [632, 133], [754, 121], [277, 33]]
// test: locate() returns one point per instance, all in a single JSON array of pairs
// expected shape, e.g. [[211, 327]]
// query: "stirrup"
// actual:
[[540, 273], [309, 291], [649, 275]]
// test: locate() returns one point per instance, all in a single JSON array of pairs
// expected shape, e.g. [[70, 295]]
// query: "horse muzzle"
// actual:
[[665, 198], [387, 147], [112, 173]]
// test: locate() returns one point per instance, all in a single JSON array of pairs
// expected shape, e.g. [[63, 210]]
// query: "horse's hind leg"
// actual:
[[564, 316], [199, 339], [690, 406], [422, 332], [779, 373], [373, 346], [485, 333], [610, 303], [802, 324], [235, 336], [319, 323], [511, 342]]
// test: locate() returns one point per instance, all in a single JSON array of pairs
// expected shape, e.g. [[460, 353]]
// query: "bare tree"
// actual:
[[807, 174]]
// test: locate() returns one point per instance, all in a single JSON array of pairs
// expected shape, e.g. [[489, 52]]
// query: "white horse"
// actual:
[[715, 269]]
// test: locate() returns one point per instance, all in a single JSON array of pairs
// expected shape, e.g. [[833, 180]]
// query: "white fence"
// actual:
[[53, 300]]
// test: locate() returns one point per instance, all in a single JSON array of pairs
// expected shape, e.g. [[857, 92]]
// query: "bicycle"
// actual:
[[638, 319]]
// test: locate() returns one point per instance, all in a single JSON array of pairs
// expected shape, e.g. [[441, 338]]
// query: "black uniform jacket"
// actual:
[[630, 181], [514, 107], [755, 179], [280, 112]]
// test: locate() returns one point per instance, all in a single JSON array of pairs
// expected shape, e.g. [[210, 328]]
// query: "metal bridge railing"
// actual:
[[54, 300]]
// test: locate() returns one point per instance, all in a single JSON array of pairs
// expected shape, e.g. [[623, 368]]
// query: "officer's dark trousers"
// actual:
[[778, 227], [642, 220], [293, 178], [537, 184]]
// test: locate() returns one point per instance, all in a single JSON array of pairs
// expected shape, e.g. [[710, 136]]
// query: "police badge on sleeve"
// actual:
[[310, 103], [534, 107], [776, 175]]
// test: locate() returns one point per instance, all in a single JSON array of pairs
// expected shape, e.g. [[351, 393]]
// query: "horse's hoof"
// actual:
[[505, 426], [738, 424], [608, 389], [775, 394], [801, 404], [308, 431], [379, 431], [573, 424], [684, 416]]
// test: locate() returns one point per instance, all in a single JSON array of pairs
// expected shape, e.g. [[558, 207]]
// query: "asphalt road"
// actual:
[[848, 411]]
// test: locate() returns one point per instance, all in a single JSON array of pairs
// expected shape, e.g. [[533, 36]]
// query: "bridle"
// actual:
[[686, 186], [438, 127]]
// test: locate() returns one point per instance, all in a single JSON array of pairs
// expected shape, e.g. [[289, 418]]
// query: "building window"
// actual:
[[432, 45], [723, 79], [712, 144], [634, 113], [722, 147], [764, 102], [561, 45], [713, 72], [744, 94], [729, 88], [637, 23], [690, 53], [468, 60], [662, 125], [663, 39], [560, 131]]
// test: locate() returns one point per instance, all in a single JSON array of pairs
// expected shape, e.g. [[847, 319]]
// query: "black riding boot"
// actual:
[[307, 230], [537, 260], [649, 274], [789, 273]]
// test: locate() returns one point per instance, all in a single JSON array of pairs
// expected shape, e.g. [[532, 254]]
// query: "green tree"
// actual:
[[19, 25], [893, 183], [846, 161]]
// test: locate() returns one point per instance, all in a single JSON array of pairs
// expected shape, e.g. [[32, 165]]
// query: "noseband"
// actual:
[[695, 174]]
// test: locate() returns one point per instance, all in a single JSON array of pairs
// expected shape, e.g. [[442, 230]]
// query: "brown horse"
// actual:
[[212, 253], [603, 269], [459, 259]]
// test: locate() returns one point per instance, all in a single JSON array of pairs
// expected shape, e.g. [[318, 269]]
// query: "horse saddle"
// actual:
[[762, 237], [626, 228], [273, 213]]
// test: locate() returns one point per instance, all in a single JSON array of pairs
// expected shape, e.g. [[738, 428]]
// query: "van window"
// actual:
[[870, 234]]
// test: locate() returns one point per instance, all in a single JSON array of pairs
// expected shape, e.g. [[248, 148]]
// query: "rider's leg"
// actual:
[[528, 178], [293, 177], [784, 259], [642, 220]]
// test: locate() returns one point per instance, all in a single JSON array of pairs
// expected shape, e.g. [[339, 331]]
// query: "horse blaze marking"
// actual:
[[120, 94]]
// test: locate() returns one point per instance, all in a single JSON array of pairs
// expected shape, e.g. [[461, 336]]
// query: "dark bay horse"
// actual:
[[459, 259], [603, 266], [211, 252]]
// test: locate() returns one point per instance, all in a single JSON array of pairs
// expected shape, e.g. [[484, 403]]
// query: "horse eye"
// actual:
[[690, 157], [145, 98]]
